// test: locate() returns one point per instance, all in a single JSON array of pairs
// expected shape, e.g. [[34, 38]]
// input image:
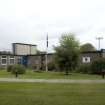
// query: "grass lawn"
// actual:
[[51, 94], [49, 75]]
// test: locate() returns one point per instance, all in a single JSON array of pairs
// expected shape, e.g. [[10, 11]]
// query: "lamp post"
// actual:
[[99, 39]]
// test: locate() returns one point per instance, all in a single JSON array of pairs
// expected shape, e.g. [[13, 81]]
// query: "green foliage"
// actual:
[[2, 67], [9, 68], [98, 65], [84, 68], [30, 67], [51, 66], [50, 75], [19, 69], [87, 47], [67, 54]]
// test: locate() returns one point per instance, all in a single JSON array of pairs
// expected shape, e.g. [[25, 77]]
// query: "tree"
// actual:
[[16, 69], [87, 47], [67, 53], [98, 65]]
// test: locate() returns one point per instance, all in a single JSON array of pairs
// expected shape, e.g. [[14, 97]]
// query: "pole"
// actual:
[[46, 62], [46, 53], [99, 44], [99, 39]]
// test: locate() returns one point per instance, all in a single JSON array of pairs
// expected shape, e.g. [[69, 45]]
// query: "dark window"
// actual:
[[11, 57], [11, 61], [86, 59], [4, 61], [19, 60], [4, 57]]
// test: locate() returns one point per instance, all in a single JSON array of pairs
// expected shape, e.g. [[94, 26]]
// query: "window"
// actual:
[[3, 57], [86, 60], [4, 60], [11, 57], [19, 60], [11, 60]]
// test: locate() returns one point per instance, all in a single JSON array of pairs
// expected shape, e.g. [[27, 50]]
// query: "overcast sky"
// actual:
[[29, 21]]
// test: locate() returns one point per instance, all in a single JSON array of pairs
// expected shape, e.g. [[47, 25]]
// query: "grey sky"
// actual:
[[28, 21]]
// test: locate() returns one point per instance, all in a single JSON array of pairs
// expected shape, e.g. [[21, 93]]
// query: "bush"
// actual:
[[98, 65], [9, 68], [51, 66], [19, 69], [2, 67], [29, 67], [84, 68]]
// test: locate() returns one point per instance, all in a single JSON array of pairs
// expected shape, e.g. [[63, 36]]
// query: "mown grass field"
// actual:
[[49, 75], [51, 94]]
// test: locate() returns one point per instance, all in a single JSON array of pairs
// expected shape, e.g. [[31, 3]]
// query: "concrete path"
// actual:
[[50, 80]]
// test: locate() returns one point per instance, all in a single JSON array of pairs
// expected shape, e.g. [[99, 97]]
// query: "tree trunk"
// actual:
[[16, 74]]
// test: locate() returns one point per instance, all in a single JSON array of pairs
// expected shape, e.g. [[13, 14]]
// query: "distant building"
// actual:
[[9, 59], [18, 55], [26, 54], [24, 49], [38, 61], [89, 56], [35, 61]]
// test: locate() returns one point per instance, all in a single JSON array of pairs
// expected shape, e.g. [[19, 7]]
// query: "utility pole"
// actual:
[[46, 53], [99, 39]]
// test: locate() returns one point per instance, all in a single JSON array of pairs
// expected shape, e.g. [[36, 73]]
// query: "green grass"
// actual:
[[51, 94], [49, 75]]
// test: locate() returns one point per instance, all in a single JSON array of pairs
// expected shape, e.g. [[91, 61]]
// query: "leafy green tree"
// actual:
[[87, 47], [17, 69], [98, 65], [67, 53], [84, 68]]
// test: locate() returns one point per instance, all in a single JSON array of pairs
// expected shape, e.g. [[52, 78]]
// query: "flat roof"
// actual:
[[41, 54], [25, 44], [26, 55], [91, 52], [9, 55]]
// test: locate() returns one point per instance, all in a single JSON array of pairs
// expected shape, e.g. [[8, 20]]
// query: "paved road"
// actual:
[[50, 80]]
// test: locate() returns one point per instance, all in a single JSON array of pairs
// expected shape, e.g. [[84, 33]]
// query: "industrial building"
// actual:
[[24, 49], [26, 54]]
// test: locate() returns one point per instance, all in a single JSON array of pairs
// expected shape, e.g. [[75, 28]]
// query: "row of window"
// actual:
[[11, 60]]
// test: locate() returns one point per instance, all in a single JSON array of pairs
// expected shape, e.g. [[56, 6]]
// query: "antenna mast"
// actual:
[[99, 39]]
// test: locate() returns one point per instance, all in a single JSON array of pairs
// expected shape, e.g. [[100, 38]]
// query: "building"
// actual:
[[26, 54], [89, 56], [38, 61], [18, 55], [9, 59], [24, 49]]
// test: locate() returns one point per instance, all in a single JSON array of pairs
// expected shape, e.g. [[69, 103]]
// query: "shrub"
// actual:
[[98, 65], [29, 67], [51, 66], [9, 68], [2, 67], [84, 68], [19, 69]]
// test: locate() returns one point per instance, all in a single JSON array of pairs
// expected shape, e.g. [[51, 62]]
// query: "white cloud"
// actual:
[[29, 21]]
